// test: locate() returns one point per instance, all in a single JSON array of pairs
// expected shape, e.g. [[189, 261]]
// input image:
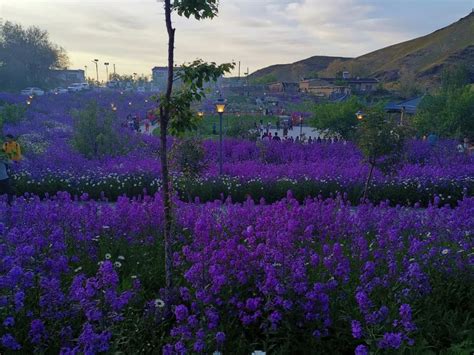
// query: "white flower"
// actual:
[[259, 352], [118, 264], [100, 263], [159, 303], [106, 227], [108, 256], [134, 277], [78, 269], [445, 251], [121, 257]]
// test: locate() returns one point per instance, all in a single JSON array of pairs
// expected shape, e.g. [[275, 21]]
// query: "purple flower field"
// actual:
[[82, 275]]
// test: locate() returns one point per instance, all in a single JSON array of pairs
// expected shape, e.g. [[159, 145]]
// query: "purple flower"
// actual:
[[9, 322], [9, 342], [361, 350], [199, 346], [181, 313], [356, 329], [37, 331], [391, 341], [220, 337]]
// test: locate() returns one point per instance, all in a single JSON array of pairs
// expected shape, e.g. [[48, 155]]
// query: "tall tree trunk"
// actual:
[[164, 120], [367, 182]]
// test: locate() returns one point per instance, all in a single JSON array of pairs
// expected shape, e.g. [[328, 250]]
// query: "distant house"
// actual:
[[323, 88], [402, 111], [361, 84], [282, 86], [346, 85], [67, 77]]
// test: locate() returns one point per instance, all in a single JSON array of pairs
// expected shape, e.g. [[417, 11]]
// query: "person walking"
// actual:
[[5, 187], [276, 138], [12, 148], [147, 125]]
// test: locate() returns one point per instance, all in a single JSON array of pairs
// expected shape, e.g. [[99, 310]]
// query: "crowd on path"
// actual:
[[138, 124]]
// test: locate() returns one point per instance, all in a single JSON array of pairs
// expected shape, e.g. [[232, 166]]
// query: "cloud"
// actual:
[[131, 33]]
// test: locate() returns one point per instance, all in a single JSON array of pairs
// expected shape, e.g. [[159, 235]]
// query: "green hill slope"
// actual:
[[424, 57], [295, 71]]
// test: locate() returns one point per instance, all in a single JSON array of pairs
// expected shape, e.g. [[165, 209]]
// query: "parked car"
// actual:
[[32, 91], [59, 91], [78, 87]]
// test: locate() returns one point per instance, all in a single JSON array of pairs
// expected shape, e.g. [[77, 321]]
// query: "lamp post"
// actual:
[[85, 72], [96, 62], [107, 71], [360, 115], [220, 108], [301, 127]]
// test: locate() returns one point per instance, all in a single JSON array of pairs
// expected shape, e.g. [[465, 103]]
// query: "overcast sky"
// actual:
[[131, 33]]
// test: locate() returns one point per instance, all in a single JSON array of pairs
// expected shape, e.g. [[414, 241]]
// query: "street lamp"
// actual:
[[107, 71], [96, 62], [360, 115], [301, 127], [220, 108]]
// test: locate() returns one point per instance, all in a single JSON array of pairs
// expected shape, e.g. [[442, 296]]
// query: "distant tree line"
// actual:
[[26, 57]]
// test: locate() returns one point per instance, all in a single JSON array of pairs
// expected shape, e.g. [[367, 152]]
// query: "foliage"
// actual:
[[379, 137], [455, 77], [27, 56], [188, 158], [95, 134], [11, 114], [380, 141], [265, 79], [339, 118], [410, 192], [409, 87], [449, 112], [199, 9]]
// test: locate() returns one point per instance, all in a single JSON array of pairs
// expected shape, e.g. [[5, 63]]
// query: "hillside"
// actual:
[[422, 58], [296, 71]]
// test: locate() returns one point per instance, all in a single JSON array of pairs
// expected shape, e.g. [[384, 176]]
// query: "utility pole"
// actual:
[[239, 70], [107, 71], [96, 61]]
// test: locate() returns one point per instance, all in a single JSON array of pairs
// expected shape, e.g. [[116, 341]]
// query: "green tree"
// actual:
[[27, 56], [448, 112], [175, 107], [12, 113], [337, 118], [380, 141], [265, 79], [94, 133]]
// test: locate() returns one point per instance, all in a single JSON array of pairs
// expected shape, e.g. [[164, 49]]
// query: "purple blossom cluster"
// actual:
[[65, 265]]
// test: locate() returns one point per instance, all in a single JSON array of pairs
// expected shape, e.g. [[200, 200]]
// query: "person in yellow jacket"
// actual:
[[12, 148]]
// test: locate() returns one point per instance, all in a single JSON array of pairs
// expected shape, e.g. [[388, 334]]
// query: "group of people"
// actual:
[[10, 154], [268, 136], [135, 122], [466, 147]]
